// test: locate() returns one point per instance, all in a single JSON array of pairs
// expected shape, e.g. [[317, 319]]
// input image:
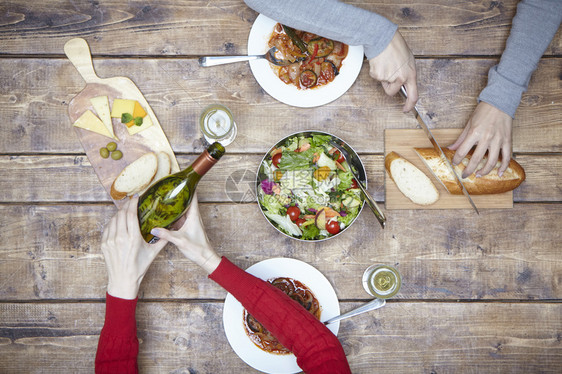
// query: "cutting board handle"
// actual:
[[78, 52]]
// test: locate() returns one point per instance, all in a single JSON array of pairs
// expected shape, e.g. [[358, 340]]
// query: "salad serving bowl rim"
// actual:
[[307, 133]]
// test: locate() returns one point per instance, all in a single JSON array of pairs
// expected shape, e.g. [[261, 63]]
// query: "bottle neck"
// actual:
[[203, 163]]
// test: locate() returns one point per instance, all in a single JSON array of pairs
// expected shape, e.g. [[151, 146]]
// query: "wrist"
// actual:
[[123, 290], [211, 263]]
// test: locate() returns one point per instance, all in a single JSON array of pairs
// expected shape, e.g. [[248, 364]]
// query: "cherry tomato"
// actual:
[[276, 159], [339, 156], [333, 227], [300, 221], [354, 183], [293, 212]]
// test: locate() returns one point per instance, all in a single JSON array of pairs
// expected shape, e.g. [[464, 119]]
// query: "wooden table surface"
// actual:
[[481, 294]]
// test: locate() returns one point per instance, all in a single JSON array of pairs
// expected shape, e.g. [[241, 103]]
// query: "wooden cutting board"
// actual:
[[403, 141], [133, 146]]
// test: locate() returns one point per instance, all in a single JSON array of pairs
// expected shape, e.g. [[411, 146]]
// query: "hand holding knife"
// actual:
[[439, 150]]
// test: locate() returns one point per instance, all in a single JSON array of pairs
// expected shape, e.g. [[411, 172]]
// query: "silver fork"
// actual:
[[371, 305], [368, 198], [269, 56]]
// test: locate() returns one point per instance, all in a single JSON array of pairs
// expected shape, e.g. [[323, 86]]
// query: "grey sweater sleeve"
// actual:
[[532, 30], [331, 19]]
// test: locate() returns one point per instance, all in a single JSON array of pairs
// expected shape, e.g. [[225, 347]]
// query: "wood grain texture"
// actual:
[[169, 28], [34, 100], [231, 180], [401, 337], [52, 252]]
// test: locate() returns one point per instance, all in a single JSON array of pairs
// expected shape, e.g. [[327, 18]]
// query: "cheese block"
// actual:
[[101, 105], [146, 123], [89, 121], [138, 111], [121, 106]]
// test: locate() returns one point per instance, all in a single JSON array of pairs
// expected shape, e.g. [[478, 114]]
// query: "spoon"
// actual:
[[269, 56], [371, 305]]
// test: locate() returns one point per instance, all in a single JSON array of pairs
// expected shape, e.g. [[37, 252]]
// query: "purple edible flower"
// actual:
[[343, 213], [267, 186]]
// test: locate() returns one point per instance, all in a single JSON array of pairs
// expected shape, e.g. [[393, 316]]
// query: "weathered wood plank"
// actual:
[[440, 27], [39, 179], [35, 93], [52, 252], [401, 337]]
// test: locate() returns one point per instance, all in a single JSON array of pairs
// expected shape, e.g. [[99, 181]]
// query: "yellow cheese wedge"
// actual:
[[101, 105], [90, 122], [138, 111], [146, 123], [121, 106]]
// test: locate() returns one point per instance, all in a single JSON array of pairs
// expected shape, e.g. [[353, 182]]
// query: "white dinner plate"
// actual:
[[233, 313], [288, 93]]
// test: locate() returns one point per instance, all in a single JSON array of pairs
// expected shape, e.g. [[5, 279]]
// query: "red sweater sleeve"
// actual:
[[317, 350], [118, 346]]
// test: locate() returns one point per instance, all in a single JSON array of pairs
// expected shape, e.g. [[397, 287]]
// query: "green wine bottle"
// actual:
[[169, 198]]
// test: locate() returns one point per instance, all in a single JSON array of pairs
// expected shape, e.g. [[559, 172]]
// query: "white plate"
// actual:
[[288, 93], [233, 313]]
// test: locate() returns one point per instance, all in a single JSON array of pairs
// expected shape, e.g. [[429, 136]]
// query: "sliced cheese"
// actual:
[[146, 123], [121, 106], [101, 105], [137, 112], [90, 122]]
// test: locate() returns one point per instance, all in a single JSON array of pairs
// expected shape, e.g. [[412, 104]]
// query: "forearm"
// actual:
[[533, 28], [331, 19], [314, 345], [118, 346]]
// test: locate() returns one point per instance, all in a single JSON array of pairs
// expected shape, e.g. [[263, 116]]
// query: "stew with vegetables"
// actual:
[[318, 60]]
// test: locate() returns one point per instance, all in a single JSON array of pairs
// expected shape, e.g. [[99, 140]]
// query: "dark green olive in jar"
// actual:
[[104, 152], [111, 146], [116, 155]]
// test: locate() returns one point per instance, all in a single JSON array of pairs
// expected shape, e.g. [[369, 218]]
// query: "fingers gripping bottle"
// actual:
[[169, 198]]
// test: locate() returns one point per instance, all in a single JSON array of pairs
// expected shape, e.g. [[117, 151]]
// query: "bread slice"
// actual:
[[135, 177], [410, 180], [491, 183], [164, 169]]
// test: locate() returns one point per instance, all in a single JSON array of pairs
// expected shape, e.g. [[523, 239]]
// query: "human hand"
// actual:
[[127, 255], [395, 67], [490, 130], [191, 239]]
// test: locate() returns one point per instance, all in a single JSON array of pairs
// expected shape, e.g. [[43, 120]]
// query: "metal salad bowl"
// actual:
[[352, 159]]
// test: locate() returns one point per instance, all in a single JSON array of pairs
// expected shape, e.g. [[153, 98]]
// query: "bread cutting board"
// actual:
[[403, 141], [151, 139]]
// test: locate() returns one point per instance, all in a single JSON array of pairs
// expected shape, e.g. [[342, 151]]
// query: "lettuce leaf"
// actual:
[[285, 224]]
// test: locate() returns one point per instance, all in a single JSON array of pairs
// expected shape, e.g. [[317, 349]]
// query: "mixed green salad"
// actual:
[[307, 189]]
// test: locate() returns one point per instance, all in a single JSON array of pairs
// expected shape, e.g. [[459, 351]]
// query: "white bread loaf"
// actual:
[[135, 177], [410, 180], [487, 184]]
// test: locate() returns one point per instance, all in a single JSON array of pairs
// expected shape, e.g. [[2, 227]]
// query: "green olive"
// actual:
[[104, 152], [111, 146], [116, 155]]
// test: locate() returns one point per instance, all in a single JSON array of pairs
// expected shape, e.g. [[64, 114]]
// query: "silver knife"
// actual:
[[371, 305], [439, 150]]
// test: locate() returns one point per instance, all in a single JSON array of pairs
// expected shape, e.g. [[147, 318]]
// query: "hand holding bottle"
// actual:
[[127, 255], [192, 240]]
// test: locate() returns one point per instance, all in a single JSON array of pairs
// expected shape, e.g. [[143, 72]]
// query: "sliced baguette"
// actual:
[[164, 169], [135, 177], [410, 180], [487, 184]]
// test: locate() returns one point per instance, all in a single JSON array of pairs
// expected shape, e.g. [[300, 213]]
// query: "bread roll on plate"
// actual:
[[410, 180], [490, 183], [135, 177]]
